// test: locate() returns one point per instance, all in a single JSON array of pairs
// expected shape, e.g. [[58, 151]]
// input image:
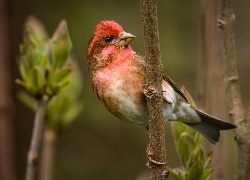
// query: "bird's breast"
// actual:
[[120, 88]]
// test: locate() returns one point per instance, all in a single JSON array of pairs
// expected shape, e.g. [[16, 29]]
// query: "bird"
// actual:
[[118, 76]]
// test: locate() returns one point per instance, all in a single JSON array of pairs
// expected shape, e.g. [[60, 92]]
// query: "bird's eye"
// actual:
[[108, 39]]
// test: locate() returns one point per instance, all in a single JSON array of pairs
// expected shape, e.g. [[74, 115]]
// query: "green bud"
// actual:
[[61, 46], [207, 174], [196, 171], [35, 31], [65, 106], [46, 70], [26, 99], [196, 156], [60, 76], [208, 159]]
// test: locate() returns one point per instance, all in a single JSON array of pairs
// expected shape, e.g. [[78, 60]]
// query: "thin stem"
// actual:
[[48, 154], [34, 155], [232, 87], [210, 84], [156, 151]]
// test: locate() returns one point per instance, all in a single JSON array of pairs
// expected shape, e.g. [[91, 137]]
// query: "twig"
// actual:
[[233, 95], [48, 154], [153, 91], [34, 155], [210, 82]]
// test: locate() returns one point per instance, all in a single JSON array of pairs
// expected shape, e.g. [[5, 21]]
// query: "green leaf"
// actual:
[[185, 147], [196, 156], [60, 75], [35, 31], [177, 173], [207, 174], [28, 56], [65, 106], [24, 70], [173, 174], [208, 159], [61, 112], [41, 58], [26, 99], [61, 45], [196, 171], [197, 138], [52, 89], [40, 78], [31, 89], [177, 129]]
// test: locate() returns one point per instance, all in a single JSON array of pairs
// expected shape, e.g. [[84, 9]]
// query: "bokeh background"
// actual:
[[99, 146]]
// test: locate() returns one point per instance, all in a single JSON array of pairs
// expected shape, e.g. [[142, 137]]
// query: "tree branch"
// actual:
[[48, 154], [156, 150], [34, 155], [233, 95], [210, 83]]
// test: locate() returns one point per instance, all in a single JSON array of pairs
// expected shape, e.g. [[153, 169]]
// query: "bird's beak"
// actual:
[[125, 38]]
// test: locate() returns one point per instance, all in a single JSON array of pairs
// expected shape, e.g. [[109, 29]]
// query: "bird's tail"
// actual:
[[210, 126]]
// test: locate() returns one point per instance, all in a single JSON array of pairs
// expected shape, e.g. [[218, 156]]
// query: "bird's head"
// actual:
[[108, 38], [109, 33]]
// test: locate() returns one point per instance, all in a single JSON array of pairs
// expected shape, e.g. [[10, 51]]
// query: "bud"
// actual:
[[61, 46]]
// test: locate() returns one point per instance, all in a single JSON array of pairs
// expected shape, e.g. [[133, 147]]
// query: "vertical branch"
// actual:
[[34, 155], [48, 154], [232, 87], [156, 150], [210, 82], [7, 150]]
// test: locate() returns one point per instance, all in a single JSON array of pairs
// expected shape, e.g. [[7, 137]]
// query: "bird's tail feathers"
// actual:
[[210, 126]]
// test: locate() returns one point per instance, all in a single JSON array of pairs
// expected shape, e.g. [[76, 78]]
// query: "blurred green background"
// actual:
[[99, 146]]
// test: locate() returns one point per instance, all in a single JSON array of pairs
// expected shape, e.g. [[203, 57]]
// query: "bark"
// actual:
[[210, 81], [156, 150], [232, 87], [7, 149], [36, 141]]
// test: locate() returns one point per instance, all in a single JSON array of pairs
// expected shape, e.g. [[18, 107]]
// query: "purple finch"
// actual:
[[118, 78]]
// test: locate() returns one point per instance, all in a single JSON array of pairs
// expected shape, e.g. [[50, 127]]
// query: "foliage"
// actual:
[[194, 160], [47, 68], [45, 64]]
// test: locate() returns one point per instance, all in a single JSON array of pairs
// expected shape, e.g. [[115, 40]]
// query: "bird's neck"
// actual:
[[110, 56]]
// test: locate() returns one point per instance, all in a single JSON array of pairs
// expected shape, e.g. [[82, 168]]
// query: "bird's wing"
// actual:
[[140, 59], [176, 88]]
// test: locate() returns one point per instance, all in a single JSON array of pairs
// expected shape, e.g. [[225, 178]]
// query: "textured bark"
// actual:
[[7, 149], [210, 81], [153, 90], [232, 87]]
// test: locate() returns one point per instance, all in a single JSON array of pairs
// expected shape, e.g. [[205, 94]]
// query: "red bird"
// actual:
[[118, 77]]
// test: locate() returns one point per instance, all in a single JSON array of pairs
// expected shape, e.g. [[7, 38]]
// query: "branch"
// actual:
[[33, 155], [233, 95], [48, 154], [210, 82], [156, 150]]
